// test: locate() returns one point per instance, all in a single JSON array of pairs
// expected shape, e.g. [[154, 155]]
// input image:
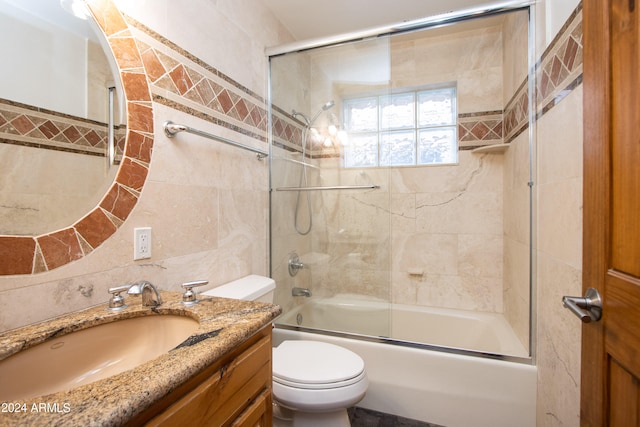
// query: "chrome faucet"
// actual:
[[300, 292], [116, 302], [150, 295]]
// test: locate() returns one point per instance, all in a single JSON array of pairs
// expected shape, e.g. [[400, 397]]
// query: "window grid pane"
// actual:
[[382, 130], [436, 107], [398, 148], [397, 111], [361, 115], [362, 151], [437, 146]]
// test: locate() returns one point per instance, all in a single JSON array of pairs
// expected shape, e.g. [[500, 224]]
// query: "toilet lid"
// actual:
[[313, 362]]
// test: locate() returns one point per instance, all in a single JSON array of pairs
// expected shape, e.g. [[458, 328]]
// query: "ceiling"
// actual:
[[311, 19], [47, 12]]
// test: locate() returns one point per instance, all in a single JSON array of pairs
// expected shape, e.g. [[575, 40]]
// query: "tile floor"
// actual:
[[361, 417]]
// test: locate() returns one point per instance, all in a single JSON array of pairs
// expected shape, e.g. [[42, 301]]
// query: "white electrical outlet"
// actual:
[[141, 243]]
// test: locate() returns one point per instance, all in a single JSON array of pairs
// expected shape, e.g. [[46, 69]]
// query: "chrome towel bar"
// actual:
[[336, 187], [171, 129]]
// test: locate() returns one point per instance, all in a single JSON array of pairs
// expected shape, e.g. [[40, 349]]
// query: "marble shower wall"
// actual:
[[516, 291], [447, 234], [447, 225], [430, 235]]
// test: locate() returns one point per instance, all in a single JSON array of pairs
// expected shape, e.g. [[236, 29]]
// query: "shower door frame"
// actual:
[[417, 25]]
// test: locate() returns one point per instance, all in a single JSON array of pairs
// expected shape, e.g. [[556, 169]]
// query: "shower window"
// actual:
[[402, 129]]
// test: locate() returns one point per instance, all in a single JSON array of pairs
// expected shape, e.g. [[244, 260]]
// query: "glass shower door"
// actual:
[[402, 185], [330, 217]]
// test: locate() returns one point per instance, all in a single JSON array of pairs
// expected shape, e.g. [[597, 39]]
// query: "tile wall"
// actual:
[[206, 216], [25, 254], [209, 221], [420, 220], [559, 131]]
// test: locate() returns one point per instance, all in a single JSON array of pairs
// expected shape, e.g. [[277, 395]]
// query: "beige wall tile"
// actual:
[[206, 203], [560, 137]]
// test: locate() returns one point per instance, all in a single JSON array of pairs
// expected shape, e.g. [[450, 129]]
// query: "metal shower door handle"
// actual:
[[587, 308]]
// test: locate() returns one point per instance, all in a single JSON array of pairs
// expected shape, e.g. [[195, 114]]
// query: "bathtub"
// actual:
[[450, 328], [441, 385]]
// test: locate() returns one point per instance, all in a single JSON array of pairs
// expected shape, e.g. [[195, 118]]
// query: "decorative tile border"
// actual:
[[29, 126], [26, 254], [478, 129], [560, 67], [287, 131], [516, 113], [558, 72], [183, 82]]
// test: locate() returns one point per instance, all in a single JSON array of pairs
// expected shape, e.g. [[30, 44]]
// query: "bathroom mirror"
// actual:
[[55, 247], [62, 120]]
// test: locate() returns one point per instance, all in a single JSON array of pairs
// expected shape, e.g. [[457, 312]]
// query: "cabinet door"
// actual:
[[225, 395], [259, 414]]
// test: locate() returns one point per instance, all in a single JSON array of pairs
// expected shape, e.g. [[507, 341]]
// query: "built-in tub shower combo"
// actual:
[[402, 209]]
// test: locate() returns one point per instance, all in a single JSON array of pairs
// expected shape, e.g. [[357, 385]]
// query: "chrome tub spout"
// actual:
[[300, 292]]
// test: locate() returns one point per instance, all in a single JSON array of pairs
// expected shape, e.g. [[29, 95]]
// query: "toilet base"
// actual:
[[289, 418]]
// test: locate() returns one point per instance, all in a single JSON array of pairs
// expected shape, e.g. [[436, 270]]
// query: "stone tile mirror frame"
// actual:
[[30, 255]]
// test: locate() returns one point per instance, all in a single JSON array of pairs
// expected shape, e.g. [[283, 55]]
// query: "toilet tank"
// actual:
[[248, 288]]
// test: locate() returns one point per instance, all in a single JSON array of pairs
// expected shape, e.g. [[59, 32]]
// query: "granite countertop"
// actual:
[[224, 324]]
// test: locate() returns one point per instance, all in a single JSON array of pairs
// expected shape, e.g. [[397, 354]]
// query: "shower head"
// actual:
[[306, 119], [328, 105], [325, 107]]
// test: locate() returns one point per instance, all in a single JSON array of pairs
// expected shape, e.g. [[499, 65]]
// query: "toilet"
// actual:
[[313, 382]]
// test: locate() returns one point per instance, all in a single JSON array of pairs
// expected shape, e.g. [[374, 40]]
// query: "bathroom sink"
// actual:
[[90, 354]]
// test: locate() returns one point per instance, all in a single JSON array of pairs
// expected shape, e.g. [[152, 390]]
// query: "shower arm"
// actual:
[[310, 122]]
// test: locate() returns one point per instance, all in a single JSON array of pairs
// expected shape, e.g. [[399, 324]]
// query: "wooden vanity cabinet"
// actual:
[[234, 391]]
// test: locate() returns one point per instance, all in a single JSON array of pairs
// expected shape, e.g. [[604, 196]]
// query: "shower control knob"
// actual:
[[295, 264]]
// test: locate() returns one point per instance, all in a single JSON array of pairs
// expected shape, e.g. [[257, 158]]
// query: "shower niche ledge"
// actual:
[[491, 149]]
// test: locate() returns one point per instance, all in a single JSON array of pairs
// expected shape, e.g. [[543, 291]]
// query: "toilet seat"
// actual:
[[316, 365], [320, 386], [320, 400]]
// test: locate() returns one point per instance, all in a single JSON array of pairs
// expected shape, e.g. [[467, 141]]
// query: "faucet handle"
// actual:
[[117, 301], [189, 297]]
